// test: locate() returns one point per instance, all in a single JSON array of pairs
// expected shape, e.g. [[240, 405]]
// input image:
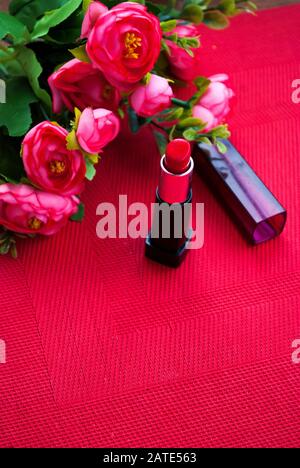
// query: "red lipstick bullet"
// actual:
[[170, 232], [178, 155]]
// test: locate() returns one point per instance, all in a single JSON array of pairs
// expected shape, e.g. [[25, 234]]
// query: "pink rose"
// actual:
[[125, 44], [184, 66], [94, 10], [26, 210], [213, 106], [148, 100], [49, 164], [79, 84], [96, 129]]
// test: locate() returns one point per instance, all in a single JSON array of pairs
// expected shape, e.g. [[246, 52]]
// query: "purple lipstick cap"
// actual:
[[253, 207]]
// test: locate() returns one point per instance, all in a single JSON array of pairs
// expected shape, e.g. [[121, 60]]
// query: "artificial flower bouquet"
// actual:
[[74, 72]]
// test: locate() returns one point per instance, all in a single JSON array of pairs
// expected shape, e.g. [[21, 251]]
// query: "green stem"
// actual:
[[181, 103], [43, 111], [158, 126]]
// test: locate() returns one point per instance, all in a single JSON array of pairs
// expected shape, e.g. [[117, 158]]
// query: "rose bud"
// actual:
[[125, 44], [27, 210], [79, 84], [49, 164], [94, 10], [184, 66], [96, 129], [213, 106], [152, 98]]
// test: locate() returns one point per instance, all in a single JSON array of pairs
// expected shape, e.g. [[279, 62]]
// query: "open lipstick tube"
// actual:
[[253, 207], [170, 231]]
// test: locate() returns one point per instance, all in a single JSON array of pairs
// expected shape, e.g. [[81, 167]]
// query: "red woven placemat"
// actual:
[[105, 348]]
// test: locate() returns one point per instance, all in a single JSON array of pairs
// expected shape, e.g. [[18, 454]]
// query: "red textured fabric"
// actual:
[[105, 348]]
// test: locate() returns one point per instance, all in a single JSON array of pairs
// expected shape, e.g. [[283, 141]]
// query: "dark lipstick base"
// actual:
[[165, 257], [170, 251]]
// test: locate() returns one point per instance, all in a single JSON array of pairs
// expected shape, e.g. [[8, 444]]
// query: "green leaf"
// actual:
[[165, 47], [90, 170], [91, 157], [190, 134], [28, 11], [8, 65], [172, 114], [161, 65], [77, 113], [146, 79], [121, 113], [7, 243], [220, 132], [215, 19], [86, 4], [15, 114], [4, 179], [221, 147], [161, 141], [172, 133], [249, 7], [32, 69], [189, 52], [72, 143], [80, 213], [133, 121], [203, 3], [187, 43], [202, 82], [80, 53], [191, 122], [13, 250], [4, 248], [170, 12], [193, 42], [173, 37], [227, 7], [13, 28], [193, 13], [68, 31], [168, 26], [155, 8], [205, 140], [53, 18]]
